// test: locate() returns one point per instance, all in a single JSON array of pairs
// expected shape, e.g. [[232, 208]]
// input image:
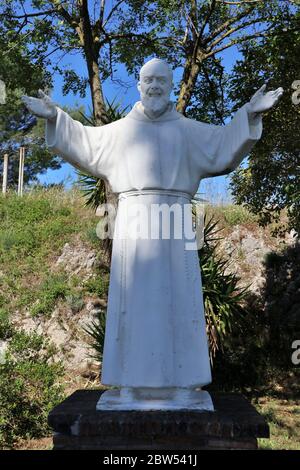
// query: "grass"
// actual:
[[52, 288], [283, 417], [5, 326], [230, 215], [97, 286], [33, 231]]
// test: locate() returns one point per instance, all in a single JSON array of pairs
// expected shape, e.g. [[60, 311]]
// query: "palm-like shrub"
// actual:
[[96, 331], [223, 298], [93, 189]]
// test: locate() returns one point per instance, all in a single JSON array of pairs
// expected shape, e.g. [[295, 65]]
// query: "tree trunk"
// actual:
[[99, 108], [101, 118], [92, 52], [190, 74]]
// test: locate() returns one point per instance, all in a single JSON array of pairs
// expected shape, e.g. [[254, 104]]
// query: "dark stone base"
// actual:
[[77, 425]]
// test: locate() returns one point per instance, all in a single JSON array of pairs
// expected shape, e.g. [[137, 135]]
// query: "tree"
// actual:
[[270, 183], [17, 127], [194, 33], [188, 33]]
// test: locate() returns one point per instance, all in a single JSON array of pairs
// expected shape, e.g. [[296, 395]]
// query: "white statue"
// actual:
[[155, 350]]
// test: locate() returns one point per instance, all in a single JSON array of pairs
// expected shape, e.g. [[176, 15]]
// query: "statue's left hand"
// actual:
[[42, 107], [262, 101]]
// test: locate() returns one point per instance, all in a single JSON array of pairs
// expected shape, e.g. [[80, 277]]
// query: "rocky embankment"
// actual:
[[65, 327], [251, 250]]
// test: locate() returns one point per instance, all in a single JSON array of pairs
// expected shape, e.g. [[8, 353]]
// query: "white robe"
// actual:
[[155, 327]]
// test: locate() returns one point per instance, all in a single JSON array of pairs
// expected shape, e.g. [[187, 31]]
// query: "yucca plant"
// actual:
[[222, 296], [93, 189], [96, 331], [114, 109]]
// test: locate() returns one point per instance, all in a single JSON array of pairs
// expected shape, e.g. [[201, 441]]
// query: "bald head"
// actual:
[[157, 65]]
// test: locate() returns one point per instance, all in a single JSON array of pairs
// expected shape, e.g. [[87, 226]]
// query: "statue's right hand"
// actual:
[[42, 107]]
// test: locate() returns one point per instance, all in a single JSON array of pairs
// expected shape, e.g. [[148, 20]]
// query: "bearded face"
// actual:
[[155, 87], [154, 102]]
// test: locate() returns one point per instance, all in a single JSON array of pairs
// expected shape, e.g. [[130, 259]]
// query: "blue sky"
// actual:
[[214, 189]]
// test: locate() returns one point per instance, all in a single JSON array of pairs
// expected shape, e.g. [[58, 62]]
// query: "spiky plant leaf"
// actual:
[[223, 297], [96, 332]]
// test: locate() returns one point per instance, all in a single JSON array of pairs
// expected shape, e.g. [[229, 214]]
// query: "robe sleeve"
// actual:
[[218, 150], [85, 147]]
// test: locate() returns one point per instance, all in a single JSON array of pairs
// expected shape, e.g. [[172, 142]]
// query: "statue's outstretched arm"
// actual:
[[262, 101], [226, 146], [42, 107], [81, 146]]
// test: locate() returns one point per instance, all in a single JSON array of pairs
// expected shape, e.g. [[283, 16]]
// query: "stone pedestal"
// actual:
[[150, 399], [235, 424]]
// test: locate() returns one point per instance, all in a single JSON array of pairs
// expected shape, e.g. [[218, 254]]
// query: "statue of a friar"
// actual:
[[156, 351]]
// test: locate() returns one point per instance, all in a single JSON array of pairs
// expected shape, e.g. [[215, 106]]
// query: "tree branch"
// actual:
[[246, 38], [30, 15], [228, 23], [102, 8], [137, 35], [213, 91], [193, 18], [207, 18], [112, 11], [100, 24], [51, 52], [25, 22], [234, 30], [200, 33], [238, 3], [71, 20]]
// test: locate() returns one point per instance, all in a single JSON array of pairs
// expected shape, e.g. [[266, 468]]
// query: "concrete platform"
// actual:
[[235, 424]]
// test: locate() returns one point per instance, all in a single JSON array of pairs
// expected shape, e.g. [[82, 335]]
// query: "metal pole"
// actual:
[[21, 171], [5, 172], [19, 179]]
